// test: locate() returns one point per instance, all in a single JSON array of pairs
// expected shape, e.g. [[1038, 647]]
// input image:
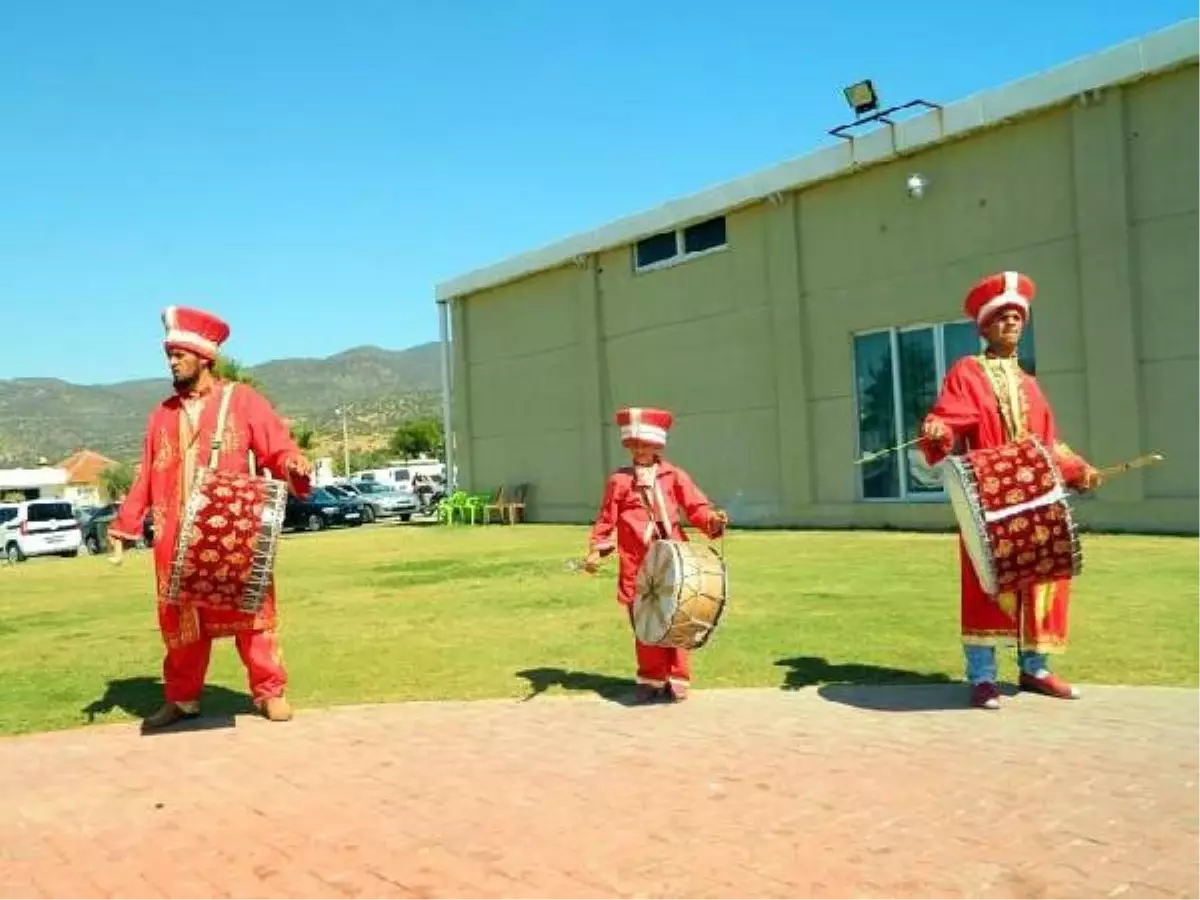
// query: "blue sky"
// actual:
[[311, 170]]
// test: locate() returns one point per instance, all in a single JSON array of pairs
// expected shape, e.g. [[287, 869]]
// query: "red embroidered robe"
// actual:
[[171, 453], [986, 402], [622, 510]]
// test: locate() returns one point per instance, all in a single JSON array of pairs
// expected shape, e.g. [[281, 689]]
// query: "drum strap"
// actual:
[[218, 437], [647, 493]]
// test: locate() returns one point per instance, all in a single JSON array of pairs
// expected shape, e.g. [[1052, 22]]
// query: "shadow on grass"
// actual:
[[140, 697], [618, 690], [880, 688]]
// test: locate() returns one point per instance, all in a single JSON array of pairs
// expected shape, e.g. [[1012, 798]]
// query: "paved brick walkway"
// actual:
[[839, 792]]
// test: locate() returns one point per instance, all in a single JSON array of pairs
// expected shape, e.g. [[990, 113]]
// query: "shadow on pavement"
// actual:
[[139, 697], [618, 690], [881, 688]]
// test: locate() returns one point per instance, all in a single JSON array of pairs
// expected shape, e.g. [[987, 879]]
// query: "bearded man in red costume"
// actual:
[[643, 503], [988, 401], [178, 437]]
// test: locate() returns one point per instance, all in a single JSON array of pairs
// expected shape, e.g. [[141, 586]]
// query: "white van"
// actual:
[[398, 476], [39, 528]]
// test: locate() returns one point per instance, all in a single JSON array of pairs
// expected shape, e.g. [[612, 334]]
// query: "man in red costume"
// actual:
[[178, 438], [641, 504], [987, 401]]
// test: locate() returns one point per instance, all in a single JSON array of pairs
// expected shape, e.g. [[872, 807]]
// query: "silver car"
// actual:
[[386, 501]]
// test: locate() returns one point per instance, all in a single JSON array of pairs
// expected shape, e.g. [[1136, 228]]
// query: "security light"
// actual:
[[862, 97]]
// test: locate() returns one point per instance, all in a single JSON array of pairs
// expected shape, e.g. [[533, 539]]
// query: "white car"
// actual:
[[38, 528]]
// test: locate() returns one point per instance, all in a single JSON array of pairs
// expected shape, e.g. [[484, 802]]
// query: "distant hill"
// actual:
[[48, 417]]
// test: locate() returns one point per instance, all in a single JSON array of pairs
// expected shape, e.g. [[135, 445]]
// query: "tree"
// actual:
[[418, 437], [117, 480], [303, 435], [229, 369]]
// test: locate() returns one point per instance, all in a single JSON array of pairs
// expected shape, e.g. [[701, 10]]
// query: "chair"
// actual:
[[515, 502], [448, 506], [497, 504], [475, 503]]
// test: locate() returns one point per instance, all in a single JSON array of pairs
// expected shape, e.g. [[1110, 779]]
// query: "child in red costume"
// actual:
[[642, 503]]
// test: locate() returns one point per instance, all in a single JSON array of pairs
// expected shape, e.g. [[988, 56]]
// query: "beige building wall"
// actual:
[[752, 345]]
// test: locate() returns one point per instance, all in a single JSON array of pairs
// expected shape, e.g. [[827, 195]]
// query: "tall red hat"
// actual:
[[995, 293], [650, 426], [194, 330]]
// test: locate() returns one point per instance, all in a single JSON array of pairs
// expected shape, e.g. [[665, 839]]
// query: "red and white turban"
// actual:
[[193, 330], [996, 293], [650, 426]]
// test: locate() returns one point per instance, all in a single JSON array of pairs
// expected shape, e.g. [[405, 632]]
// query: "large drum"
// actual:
[[681, 592], [225, 553], [1012, 510]]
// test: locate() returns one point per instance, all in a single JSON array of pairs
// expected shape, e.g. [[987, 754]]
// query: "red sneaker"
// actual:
[[985, 695], [1050, 685]]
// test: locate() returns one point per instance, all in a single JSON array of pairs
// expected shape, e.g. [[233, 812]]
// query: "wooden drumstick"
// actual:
[[1120, 468], [879, 454]]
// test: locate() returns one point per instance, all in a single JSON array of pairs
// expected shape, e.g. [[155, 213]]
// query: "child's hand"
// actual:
[[591, 562], [718, 519]]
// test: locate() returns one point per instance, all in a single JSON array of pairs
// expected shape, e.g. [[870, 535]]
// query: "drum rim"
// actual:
[[968, 483], [712, 629]]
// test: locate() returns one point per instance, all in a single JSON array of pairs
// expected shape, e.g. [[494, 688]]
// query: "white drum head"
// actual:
[[970, 524], [658, 585]]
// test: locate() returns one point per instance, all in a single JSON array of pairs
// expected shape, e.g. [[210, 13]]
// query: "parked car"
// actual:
[[321, 509], [95, 523], [386, 501], [38, 528], [343, 492]]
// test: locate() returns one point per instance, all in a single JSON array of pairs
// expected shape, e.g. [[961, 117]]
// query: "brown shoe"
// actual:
[[169, 714], [649, 693], [277, 709], [1050, 685]]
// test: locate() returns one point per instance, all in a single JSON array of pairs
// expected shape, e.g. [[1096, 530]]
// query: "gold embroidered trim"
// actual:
[[1008, 386]]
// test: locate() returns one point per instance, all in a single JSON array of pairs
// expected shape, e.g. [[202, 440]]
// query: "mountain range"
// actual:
[[47, 417]]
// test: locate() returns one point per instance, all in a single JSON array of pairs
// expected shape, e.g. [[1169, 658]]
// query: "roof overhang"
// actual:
[[1156, 53]]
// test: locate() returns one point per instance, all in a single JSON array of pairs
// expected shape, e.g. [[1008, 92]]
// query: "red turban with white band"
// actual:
[[194, 330], [650, 426], [996, 293]]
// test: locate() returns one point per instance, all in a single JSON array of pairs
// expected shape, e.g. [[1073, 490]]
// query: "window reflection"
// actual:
[[875, 392], [922, 357]]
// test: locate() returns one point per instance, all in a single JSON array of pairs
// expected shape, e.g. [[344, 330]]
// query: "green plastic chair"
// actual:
[[449, 506]]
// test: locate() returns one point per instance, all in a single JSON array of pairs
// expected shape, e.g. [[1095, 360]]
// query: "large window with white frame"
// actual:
[[671, 247], [897, 375]]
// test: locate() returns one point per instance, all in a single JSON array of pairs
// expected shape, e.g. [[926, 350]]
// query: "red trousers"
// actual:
[[658, 665], [184, 667]]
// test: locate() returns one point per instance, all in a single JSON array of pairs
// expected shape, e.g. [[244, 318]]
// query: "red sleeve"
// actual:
[[695, 504], [130, 521], [956, 407], [270, 441], [601, 538]]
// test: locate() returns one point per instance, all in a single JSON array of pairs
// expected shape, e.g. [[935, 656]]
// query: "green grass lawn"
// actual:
[[403, 613]]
